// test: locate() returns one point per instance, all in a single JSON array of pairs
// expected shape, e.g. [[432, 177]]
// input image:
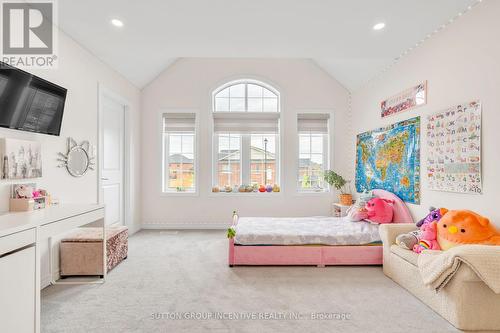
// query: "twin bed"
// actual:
[[317, 241]]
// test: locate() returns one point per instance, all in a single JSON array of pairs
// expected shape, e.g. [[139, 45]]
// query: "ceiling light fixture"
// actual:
[[379, 26], [117, 23]]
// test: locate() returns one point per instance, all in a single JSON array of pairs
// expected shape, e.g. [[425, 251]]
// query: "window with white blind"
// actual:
[[246, 136], [179, 153], [313, 151]]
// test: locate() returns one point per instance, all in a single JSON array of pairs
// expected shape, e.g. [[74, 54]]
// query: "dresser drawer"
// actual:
[[17, 241]]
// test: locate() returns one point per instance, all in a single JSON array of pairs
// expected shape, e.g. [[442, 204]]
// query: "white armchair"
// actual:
[[466, 302]]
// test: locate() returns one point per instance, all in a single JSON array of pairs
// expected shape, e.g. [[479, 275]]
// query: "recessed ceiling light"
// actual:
[[379, 26], [117, 23]]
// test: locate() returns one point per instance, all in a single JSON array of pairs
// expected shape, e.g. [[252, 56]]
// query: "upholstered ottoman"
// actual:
[[81, 250]]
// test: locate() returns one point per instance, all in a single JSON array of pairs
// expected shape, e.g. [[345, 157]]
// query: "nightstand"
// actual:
[[339, 210]]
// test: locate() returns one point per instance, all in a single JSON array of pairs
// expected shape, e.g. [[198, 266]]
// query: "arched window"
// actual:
[[246, 96], [246, 136]]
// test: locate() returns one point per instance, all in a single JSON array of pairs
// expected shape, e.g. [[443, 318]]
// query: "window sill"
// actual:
[[245, 194], [179, 194], [312, 193]]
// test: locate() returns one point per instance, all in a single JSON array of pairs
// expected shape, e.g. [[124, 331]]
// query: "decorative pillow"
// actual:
[[380, 210], [458, 227]]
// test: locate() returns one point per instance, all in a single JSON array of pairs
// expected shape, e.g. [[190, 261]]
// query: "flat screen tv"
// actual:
[[29, 103]]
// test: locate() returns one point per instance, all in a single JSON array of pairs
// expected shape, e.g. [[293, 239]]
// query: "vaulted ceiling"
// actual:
[[337, 34]]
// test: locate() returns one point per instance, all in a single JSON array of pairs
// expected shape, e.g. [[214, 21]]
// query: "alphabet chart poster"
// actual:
[[454, 149]]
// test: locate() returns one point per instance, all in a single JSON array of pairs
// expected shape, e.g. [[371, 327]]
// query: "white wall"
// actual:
[[188, 84], [80, 72], [461, 64]]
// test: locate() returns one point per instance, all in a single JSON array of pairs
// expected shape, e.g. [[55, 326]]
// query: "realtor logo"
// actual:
[[28, 36]]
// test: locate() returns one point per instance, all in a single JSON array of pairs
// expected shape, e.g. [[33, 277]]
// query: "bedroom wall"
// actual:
[[188, 84], [80, 72], [461, 64]]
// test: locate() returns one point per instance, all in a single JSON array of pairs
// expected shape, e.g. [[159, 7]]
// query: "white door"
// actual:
[[112, 157]]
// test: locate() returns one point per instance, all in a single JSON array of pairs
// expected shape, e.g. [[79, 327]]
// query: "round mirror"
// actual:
[[78, 161]]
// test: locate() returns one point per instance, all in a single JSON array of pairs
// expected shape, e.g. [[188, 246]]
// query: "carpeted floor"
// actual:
[[171, 279]]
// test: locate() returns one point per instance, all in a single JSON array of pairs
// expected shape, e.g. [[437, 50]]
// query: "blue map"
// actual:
[[389, 158]]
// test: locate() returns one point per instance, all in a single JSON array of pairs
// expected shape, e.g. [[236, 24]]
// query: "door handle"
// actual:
[[102, 178]]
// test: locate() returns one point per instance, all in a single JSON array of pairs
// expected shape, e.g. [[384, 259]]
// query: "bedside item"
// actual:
[[79, 158], [81, 251], [20, 159], [339, 210], [342, 185]]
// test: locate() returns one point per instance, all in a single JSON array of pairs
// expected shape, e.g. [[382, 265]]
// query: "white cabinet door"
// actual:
[[112, 150], [17, 291]]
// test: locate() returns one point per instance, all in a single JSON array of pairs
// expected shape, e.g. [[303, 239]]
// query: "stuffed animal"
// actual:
[[356, 213], [458, 227], [434, 216], [409, 240], [428, 239], [24, 191], [364, 197], [379, 210]]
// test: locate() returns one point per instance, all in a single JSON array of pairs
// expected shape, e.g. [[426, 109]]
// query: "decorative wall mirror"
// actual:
[[79, 158]]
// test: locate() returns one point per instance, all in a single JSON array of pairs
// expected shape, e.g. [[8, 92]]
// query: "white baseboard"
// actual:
[[185, 226], [133, 229]]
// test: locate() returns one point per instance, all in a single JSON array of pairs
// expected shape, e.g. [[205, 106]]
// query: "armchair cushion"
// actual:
[[407, 255]]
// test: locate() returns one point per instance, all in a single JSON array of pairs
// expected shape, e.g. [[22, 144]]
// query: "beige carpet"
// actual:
[[171, 279]]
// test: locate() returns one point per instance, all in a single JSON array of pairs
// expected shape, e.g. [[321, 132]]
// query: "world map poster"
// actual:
[[389, 158]]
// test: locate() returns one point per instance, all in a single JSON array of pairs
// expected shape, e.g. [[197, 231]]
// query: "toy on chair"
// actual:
[[409, 240], [380, 210], [460, 227], [428, 239]]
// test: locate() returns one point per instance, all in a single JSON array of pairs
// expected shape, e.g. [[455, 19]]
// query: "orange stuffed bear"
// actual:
[[458, 227]]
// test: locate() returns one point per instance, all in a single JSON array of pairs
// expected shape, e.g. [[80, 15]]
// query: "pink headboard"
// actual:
[[401, 212]]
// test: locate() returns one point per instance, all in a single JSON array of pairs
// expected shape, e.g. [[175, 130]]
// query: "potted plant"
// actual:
[[342, 185]]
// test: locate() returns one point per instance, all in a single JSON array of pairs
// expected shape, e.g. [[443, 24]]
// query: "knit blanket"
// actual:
[[437, 268]]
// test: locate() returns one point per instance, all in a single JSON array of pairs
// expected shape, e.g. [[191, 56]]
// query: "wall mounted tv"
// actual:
[[29, 103]]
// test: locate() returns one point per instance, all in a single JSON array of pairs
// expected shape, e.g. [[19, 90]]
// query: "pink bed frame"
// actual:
[[317, 255]]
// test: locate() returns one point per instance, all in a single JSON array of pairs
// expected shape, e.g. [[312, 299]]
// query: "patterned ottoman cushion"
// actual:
[[81, 250]]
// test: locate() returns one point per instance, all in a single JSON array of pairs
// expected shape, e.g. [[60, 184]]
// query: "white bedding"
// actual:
[[303, 231]]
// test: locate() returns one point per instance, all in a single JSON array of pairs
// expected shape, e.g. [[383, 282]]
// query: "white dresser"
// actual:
[[20, 236]]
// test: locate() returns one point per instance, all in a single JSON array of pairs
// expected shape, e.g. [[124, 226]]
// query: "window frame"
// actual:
[[163, 163], [245, 162], [245, 158], [246, 82], [328, 152]]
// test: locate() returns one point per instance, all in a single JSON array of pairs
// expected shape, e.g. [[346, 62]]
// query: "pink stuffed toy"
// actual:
[[428, 240], [380, 210]]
